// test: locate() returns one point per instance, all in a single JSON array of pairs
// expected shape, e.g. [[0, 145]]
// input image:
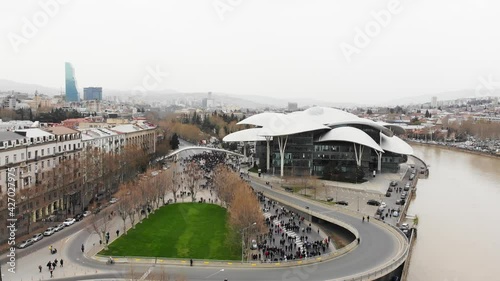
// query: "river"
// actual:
[[459, 217]]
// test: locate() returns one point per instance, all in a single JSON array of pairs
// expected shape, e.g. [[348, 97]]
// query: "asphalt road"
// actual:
[[378, 246]]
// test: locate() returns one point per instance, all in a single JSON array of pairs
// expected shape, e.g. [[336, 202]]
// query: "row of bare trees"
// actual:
[[240, 200]]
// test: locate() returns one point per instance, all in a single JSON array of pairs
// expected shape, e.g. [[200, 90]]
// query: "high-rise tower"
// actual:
[[71, 91]]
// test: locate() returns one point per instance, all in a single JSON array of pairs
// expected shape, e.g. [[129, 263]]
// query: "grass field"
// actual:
[[183, 230]]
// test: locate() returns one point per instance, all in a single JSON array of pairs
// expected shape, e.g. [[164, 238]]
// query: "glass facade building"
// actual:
[[71, 90], [92, 93]]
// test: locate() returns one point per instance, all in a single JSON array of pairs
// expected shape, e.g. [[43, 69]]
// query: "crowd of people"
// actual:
[[288, 236]]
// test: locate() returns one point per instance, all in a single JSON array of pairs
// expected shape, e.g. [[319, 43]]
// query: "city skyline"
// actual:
[[337, 52]]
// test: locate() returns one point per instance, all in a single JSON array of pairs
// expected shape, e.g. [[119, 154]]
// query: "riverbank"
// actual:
[[454, 148]]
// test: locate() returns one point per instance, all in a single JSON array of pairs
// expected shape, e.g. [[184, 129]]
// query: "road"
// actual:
[[378, 246]]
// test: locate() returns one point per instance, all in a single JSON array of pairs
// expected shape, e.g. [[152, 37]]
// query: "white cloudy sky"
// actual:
[[279, 48]]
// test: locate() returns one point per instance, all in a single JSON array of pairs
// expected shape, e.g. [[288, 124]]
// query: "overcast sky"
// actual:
[[339, 51]]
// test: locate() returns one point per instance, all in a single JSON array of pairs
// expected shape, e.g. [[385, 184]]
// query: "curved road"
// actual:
[[380, 245]]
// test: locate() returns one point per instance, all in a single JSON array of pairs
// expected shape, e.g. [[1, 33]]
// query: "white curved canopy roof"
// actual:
[[395, 144], [393, 127], [363, 121], [325, 115], [244, 135], [262, 119], [350, 134], [284, 125]]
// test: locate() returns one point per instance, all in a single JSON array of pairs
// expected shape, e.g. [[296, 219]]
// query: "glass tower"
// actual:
[[71, 91]]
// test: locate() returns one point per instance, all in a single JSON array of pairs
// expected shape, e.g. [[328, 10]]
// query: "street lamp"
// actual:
[[242, 239]]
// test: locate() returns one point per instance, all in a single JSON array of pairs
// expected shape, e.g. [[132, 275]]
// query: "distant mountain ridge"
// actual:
[[247, 101]]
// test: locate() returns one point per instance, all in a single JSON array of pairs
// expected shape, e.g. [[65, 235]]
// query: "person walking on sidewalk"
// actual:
[[368, 218], [61, 262], [51, 275], [40, 268], [83, 248]]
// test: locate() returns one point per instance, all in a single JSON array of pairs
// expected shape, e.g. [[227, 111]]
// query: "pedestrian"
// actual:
[[40, 268], [363, 220], [117, 232], [51, 275], [50, 249], [358, 240], [61, 262], [100, 242], [368, 218], [53, 265], [191, 262], [83, 248]]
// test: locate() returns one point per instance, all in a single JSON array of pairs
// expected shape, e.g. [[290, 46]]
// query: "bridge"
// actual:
[[203, 148]]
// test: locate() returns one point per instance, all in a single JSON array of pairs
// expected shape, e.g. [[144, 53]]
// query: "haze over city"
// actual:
[[336, 51]]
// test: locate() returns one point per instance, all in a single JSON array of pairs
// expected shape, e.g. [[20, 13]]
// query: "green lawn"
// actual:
[[183, 230]]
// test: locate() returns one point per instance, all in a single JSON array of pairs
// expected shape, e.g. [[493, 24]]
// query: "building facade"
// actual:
[[71, 88], [92, 93]]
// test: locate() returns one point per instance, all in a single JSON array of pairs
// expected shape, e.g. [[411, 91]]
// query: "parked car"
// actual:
[[289, 189], [373, 202], [383, 205], [329, 199], [86, 213], [343, 203], [113, 200], [69, 221], [59, 227], [400, 202], [404, 226], [394, 183], [395, 214], [387, 194], [37, 237], [49, 231], [25, 244], [79, 217], [412, 176], [390, 189]]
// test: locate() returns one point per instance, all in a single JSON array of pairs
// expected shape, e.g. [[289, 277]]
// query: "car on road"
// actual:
[[407, 187], [400, 202], [37, 237], [329, 199], [49, 231], [113, 200], [86, 213], [390, 189], [394, 183], [388, 194], [383, 205], [395, 214], [69, 221], [289, 189], [412, 176], [59, 227], [79, 217], [373, 202], [404, 226], [343, 203], [403, 195], [25, 244]]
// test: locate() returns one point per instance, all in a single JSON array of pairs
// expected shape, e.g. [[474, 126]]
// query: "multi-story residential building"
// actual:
[[92, 93]]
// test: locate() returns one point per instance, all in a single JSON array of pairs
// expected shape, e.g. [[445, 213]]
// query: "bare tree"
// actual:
[[193, 176]]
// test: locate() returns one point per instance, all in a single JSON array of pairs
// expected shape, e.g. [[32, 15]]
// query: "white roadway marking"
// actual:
[[143, 277], [214, 273]]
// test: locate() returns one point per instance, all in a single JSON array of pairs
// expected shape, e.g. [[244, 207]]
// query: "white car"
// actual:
[[383, 205], [37, 237], [86, 213], [49, 231], [113, 200], [59, 227], [395, 214], [69, 221]]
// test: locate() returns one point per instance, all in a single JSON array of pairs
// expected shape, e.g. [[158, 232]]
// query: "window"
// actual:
[[29, 168], [6, 159], [22, 155], [15, 158], [43, 152], [29, 154], [43, 164]]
